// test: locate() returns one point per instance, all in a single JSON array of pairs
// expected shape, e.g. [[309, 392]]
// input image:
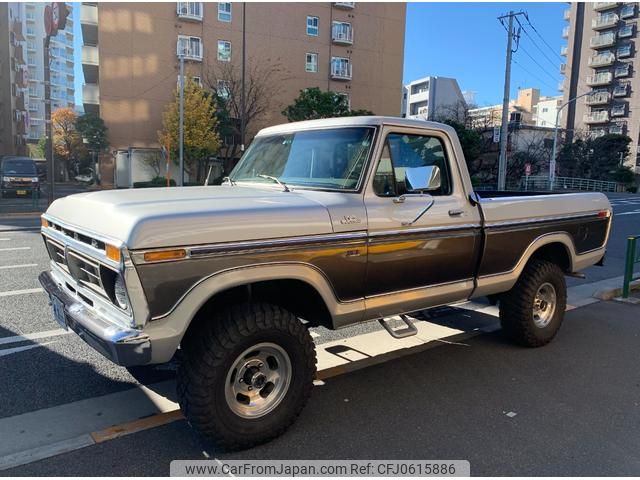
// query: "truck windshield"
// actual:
[[18, 167], [331, 158]]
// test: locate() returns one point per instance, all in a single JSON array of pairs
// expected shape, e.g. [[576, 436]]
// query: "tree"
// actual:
[[595, 158], [200, 137], [67, 142], [314, 103], [92, 128], [263, 84]]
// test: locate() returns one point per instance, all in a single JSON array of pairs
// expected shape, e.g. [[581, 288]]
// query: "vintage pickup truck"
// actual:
[[333, 221]]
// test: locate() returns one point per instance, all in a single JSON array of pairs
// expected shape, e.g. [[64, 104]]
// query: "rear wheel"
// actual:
[[246, 374], [531, 313]]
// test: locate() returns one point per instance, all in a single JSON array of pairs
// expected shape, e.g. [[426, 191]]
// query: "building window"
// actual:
[[622, 70], [196, 79], [224, 11], [311, 64], [341, 68], [190, 47], [222, 89], [545, 109], [224, 51], [190, 10], [312, 26]]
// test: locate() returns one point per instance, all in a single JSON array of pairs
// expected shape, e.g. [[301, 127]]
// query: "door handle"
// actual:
[[456, 212]]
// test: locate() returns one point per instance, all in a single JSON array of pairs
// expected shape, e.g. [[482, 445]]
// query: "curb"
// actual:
[[19, 215], [612, 293]]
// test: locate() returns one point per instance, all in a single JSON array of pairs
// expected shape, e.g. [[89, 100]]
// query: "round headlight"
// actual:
[[120, 293]]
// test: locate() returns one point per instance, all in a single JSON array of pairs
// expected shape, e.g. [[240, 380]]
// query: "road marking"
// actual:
[[34, 336], [12, 249], [26, 265], [40, 453], [635, 212], [11, 351], [21, 292], [5, 239]]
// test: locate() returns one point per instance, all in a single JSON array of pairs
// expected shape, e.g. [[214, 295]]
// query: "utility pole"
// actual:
[[47, 120], [504, 128], [243, 121], [181, 127]]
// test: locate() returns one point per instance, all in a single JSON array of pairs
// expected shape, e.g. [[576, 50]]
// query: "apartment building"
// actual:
[[603, 71], [433, 98], [544, 112], [521, 110], [22, 116], [131, 56]]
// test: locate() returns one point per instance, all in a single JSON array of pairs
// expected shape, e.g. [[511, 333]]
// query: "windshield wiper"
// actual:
[[275, 179]]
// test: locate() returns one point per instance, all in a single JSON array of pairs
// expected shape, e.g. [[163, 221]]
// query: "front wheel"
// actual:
[[246, 374], [532, 311]]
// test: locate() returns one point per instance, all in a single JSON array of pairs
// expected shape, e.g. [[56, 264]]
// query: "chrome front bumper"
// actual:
[[123, 346]]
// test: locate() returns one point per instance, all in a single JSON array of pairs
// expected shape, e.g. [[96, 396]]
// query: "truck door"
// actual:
[[423, 245]]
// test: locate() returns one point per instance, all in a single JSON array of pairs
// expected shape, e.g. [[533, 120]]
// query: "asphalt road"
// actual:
[[572, 391]]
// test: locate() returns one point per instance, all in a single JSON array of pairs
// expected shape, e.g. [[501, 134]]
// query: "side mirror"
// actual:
[[423, 179]]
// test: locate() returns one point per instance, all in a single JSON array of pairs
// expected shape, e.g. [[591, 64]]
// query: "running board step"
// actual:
[[409, 331]]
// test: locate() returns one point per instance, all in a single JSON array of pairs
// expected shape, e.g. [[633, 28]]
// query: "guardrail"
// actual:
[[632, 259]]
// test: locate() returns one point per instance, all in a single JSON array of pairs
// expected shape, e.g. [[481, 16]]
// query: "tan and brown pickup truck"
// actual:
[[332, 221]]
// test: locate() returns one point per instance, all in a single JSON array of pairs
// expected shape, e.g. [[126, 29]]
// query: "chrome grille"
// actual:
[[85, 271], [56, 253], [77, 236]]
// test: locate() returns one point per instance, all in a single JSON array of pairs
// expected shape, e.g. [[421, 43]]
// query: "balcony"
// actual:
[[596, 117], [90, 55], [561, 86], [628, 10], [621, 90], [89, 23], [345, 5], [622, 71], [341, 70], [563, 68], [598, 98], [20, 103], [603, 40], [565, 32], [619, 128], [564, 50], [342, 33], [597, 133], [607, 20], [600, 6], [91, 94], [619, 110], [567, 14], [16, 28], [604, 78], [602, 60], [31, 17], [190, 11], [626, 31]]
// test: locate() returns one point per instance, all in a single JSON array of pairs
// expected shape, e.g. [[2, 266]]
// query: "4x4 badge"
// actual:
[[349, 219]]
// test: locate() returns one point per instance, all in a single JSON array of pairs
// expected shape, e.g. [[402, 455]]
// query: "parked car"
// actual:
[[334, 221], [19, 176]]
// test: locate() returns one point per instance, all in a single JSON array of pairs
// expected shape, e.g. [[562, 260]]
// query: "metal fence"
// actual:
[[539, 182], [632, 259]]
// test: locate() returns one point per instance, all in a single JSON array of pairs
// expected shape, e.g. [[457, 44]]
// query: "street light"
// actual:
[[552, 163]]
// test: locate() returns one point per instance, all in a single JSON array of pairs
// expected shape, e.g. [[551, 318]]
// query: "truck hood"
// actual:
[[164, 217]]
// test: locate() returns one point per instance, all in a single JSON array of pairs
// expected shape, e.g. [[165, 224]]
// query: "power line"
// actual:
[[554, 78], [542, 38], [534, 75], [552, 62]]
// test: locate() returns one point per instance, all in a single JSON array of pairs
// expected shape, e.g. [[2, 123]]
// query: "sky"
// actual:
[[464, 41]]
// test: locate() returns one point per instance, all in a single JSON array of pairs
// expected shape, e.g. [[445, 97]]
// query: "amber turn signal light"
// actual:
[[113, 253], [44, 222], [164, 255]]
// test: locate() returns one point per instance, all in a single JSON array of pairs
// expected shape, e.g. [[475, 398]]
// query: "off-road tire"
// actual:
[[208, 353], [516, 306]]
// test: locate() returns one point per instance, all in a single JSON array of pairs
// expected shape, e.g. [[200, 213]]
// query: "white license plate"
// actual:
[[21, 192], [58, 312]]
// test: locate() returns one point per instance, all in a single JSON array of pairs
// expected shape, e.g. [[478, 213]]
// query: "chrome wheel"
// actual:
[[258, 380], [544, 305]]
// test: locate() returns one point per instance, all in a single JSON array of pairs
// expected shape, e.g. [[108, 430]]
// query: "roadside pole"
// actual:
[[181, 134], [47, 122], [504, 128], [243, 121]]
